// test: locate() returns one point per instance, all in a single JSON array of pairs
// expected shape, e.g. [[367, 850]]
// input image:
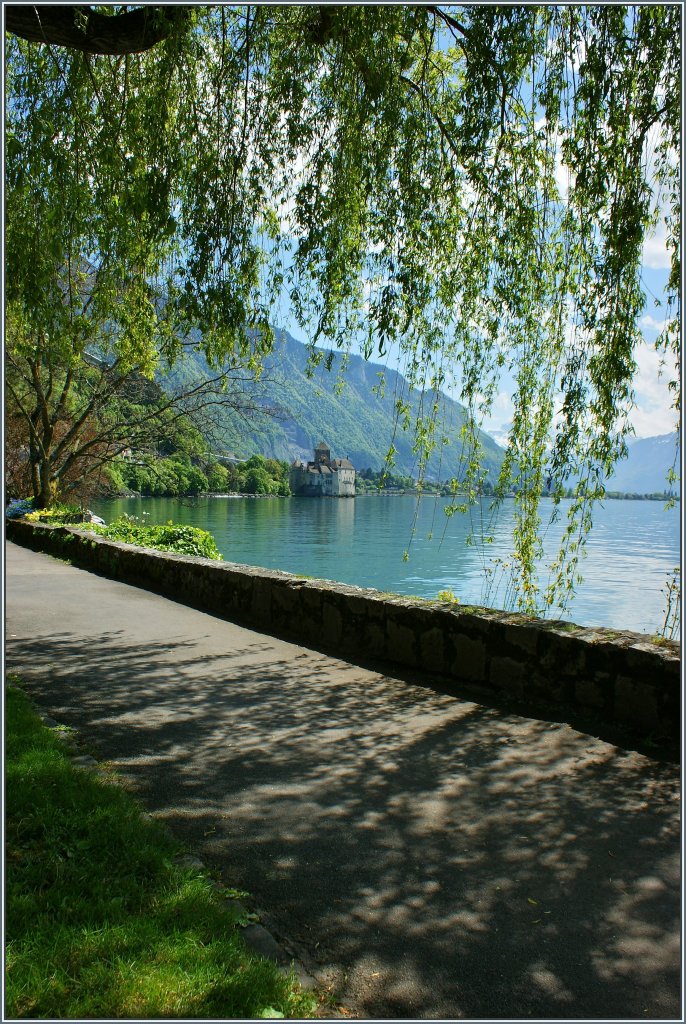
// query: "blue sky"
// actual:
[[653, 413]]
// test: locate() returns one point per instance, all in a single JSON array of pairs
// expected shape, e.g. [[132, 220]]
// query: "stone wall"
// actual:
[[624, 680]]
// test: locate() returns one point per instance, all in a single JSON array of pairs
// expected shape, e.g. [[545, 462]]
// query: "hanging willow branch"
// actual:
[[394, 173]]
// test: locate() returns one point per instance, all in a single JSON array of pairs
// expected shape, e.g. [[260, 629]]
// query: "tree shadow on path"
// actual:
[[439, 858]]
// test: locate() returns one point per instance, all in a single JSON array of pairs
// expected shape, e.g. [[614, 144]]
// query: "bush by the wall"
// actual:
[[185, 540], [57, 515]]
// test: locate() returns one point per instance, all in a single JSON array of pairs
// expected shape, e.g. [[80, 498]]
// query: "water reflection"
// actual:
[[632, 548]]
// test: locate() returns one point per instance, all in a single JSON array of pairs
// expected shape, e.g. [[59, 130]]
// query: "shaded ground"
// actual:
[[435, 858]]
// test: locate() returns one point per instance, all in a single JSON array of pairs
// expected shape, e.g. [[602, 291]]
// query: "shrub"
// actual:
[[185, 540], [57, 515], [18, 508]]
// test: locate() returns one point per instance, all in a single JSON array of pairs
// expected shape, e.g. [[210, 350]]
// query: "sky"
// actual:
[[653, 413]]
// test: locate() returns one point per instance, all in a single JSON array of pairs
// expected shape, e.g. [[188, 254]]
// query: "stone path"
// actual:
[[429, 857]]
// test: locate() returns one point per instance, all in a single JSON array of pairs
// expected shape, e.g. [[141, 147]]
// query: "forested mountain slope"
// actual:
[[339, 406]]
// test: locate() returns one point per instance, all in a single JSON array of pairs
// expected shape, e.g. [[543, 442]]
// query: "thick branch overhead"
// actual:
[[82, 28]]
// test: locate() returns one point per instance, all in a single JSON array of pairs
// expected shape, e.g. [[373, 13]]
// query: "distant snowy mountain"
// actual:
[[644, 471]]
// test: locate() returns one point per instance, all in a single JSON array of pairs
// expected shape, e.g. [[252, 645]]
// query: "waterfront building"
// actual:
[[323, 476]]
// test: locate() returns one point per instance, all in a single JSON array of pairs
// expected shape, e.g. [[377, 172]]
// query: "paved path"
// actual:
[[432, 857]]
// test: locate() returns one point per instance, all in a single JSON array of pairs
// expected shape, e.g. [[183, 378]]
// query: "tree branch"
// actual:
[[87, 30], [448, 20], [62, 401], [441, 125]]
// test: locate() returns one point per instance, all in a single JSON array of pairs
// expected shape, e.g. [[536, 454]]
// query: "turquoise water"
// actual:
[[632, 548]]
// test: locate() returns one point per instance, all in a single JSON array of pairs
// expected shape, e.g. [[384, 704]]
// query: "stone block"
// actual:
[[261, 602], [546, 688], [563, 655], [332, 623], [310, 623], [243, 587], [369, 605], [401, 643], [476, 625], [508, 675], [588, 693], [636, 704], [470, 659], [373, 640], [523, 638], [432, 650], [264, 944], [286, 611]]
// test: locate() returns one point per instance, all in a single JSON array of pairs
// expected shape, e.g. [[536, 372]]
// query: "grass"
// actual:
[[659, 639], [100, 921]]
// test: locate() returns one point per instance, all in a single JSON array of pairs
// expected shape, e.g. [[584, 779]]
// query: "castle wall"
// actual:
[[323, 477], [344, 486]]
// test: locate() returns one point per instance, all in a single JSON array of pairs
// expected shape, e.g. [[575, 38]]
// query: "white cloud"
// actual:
[[656, 255], [649, 323], [653, 413], [565, 178]]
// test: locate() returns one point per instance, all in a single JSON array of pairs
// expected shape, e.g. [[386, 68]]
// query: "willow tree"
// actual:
[[469, 185]]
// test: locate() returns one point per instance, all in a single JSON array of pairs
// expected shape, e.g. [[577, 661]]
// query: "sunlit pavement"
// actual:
[[427, 856]]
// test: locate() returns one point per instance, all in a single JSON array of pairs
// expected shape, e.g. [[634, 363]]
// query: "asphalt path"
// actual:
[[427, 856]]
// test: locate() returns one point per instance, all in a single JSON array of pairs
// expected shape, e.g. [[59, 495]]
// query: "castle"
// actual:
[[324, 476]]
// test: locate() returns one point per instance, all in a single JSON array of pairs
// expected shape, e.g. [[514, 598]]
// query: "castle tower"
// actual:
[[322, 454]]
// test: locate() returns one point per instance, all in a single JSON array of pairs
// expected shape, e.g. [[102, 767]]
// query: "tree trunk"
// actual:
[[35, 475], [46, 492]]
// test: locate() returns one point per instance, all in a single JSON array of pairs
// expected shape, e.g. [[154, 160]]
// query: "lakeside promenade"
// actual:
[[429, 856]]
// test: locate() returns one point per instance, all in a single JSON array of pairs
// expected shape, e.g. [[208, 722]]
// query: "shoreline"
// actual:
[[364, 494]]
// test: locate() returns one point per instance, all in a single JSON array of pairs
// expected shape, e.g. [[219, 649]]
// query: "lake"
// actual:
[[632, 548]]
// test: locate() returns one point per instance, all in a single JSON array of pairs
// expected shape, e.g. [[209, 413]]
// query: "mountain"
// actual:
[[644, 471], [343, 406]]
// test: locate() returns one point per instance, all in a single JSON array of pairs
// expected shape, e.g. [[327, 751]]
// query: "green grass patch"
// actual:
[[100, 922]]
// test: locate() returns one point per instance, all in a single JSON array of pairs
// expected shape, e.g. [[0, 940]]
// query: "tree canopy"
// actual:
[[471, 185]]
